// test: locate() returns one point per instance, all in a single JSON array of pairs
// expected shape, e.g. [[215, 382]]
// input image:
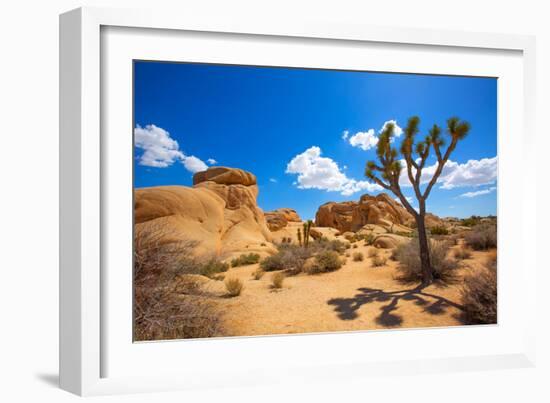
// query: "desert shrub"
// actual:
[[372, 252], [358, 257], [471, 221], [212, 267], [378, 261], [326, 261], [462, 253], [326, 244], [369, 239], [482, 237], [277, 280], [410, 269], [479, 296], [289, 257], [234, 286], [245, 259], [165, 306], [439, 230], [354, 246], [258, 274]]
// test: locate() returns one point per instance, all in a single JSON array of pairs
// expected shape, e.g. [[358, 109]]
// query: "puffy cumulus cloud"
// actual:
[[364, 140], [211, 161], [317, 172], [367, 140], [472, 173], [193, 164], [479, 192], [160, 150]]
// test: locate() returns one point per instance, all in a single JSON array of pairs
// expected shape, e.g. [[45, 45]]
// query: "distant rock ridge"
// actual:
[[279, 219]]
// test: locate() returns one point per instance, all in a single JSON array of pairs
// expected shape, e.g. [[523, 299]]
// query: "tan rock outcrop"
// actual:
[[278, 219], [352, 216], [219, 211]]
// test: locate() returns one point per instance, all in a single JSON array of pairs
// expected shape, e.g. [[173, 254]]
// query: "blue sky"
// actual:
[[307, 134]]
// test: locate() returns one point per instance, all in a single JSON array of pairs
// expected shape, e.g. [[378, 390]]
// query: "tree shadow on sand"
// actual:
[[346, 308]]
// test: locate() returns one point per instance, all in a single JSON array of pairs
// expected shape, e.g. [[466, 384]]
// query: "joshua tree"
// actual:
[[387, 172], [299, 236]]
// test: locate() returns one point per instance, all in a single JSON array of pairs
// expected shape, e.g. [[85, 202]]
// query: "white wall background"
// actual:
[[29, 200]]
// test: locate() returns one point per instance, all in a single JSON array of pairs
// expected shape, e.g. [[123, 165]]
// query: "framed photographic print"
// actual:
[[240, 195]]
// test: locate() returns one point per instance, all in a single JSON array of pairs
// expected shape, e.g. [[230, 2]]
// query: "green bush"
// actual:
[[245, 259], [326, 261], [439, 230], [212, 267]]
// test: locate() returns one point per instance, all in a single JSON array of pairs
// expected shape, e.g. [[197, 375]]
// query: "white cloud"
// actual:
[[211, 161], [364, 140], [161, 151], [367, 140], [317, 172], [479, 192], [472, 173], [193, 164], [408, 198], [397, 130], [273, 180]]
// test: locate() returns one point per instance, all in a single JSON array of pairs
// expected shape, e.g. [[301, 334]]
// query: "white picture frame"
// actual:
[[83, 184]]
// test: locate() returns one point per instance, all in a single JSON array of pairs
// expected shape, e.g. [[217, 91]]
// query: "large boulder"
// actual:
[[352, 216], [278, 219], [219, 211]]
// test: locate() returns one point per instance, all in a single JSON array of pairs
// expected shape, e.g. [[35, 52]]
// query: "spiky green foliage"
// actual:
[[299, 234]]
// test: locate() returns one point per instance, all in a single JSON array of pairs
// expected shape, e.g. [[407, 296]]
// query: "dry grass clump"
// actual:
[[258, 274], [289, 257], [410, 269], [482, 237], [479, 295], [234, 287], [462, 253], [168, 305], [211, 268], [372, 252], [245, 259], [277, 280], [358, 257], [378, 261], [439, 230], [326, 261]]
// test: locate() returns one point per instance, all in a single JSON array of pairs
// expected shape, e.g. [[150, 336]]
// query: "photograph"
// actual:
[[273, 200]]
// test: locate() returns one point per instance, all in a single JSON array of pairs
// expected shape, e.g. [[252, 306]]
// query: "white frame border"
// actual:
[[80, 165]]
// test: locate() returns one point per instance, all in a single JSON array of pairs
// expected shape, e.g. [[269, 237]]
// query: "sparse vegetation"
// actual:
[[372, 252], [354, 246], [258, 274], [234, 287], [462, 253], [369, 239], [167, 305], [378, 261], [410, 268], [482, 237], [358, 257], [479, 295], [439, 230], [245, 259], [289, 257], [212, 267], [277, 280]]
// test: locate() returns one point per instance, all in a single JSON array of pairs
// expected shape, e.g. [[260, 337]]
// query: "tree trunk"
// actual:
[[427, 270]]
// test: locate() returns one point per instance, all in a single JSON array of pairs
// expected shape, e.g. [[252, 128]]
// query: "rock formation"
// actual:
[[219, 211], [278, 219], [352, 216]]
